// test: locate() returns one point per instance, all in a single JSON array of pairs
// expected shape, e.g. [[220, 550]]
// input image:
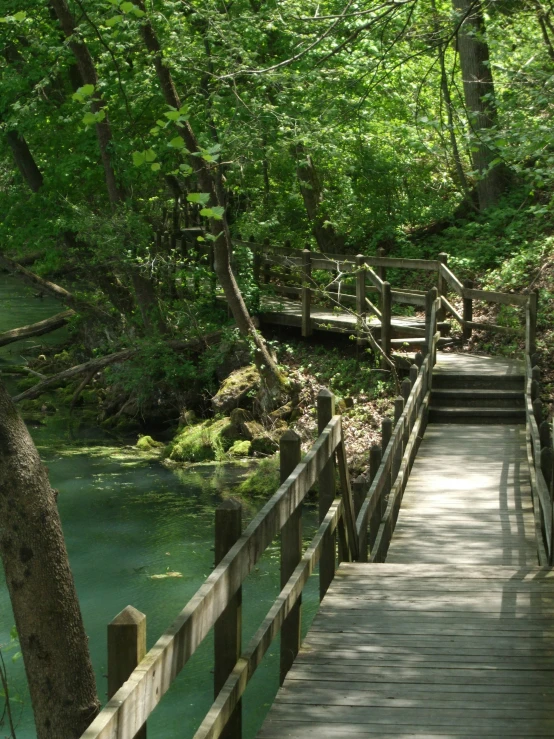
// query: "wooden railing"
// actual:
[[370, 279], [539, 438], [357, 524]]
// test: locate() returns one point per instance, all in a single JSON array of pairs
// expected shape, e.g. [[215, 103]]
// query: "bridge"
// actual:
[[435, 566]]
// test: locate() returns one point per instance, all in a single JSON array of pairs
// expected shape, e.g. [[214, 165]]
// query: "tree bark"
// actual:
[[47, 615], [207, 181], [327, 238], [89, 76], [147, 303], [95, 365], [479, 97], [25, 161], [36, 329], [50, 288]]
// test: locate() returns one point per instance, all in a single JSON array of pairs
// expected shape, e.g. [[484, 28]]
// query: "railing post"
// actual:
[[267, 268], [375, 456], [359, 491], [381, 271], [442, 285], [547, 465], [360, 293], [291, 554], [325, 412], [306, 292], [256, 261], [386, 433], [396, 462], [467, 313], [386, 321], [531, 323], [126, 648], [228, 627]]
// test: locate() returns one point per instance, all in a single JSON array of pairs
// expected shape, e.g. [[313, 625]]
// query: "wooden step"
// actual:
[[457, 414], [477, 398], [418, 341], [478, 381]]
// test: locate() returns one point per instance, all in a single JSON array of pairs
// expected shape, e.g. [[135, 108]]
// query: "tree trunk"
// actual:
[[327, 238], [47, 615], [87, 70], [148, 305], [24, 161], [207, 181], [36, 329], [479, 99]]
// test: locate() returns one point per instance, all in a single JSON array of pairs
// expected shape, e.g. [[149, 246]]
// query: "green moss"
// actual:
[[147, 443], [203, 442], [240, 448], [263, 482]]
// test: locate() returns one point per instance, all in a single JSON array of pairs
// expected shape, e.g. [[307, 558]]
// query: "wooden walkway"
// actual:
[[454, 635]]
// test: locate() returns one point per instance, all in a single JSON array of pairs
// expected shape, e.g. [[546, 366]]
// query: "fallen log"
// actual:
[[36, 329], [50, 288], [95, 365]]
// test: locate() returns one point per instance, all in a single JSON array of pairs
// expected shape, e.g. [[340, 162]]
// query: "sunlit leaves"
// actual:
[[198, 197]]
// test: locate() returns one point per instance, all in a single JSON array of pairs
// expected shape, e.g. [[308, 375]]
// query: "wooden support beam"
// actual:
[[442, 285], [306, 293], [291, 554], [327, 565], [375, 457], [126, 648], [531, 324], [386, 322], [228, 627]]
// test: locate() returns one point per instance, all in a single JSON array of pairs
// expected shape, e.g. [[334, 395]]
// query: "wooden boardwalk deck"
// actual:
[[454, 635], [285, 312]]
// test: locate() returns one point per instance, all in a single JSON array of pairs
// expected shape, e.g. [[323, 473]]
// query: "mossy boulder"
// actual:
[[235, 389], [240, 448], [203, 442], [147, 444]]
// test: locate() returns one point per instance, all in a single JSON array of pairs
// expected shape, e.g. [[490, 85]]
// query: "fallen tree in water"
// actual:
[[36, 329], [93, 366]]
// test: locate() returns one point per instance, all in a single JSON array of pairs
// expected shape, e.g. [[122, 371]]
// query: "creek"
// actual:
[[125, 518]]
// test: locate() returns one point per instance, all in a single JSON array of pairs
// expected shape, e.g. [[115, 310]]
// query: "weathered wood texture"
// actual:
[[424, 651], [468, 499]]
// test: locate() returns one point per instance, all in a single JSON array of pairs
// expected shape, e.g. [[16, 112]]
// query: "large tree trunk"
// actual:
[[327, 238], [479, 99], [25, 161], [219, 228], [87, 70], [47, 616]]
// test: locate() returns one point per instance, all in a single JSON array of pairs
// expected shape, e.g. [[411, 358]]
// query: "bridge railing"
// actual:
[[381, 492], [539, 436], [370, 277], [217, 602]]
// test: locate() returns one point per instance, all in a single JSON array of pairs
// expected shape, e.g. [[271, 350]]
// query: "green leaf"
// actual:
[[216, 212], [20, 16], [126, 7], [198, 197], [138, 158], [184, 111], [200, 238], [155, 167], [149, 155], [186, 169], [137, 12], [177, 142], [100, 115], [173, 115], [114, 20], [83, 93], [89, 118], [161, 124]]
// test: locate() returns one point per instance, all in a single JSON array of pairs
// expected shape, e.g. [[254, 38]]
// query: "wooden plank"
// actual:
[[490, 296], [452, 310], [224, 705], [518, 330], [452, 280], [129, 708], [428, 265]]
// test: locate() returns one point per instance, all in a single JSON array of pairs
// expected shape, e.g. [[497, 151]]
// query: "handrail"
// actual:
[[129, 708], [539, 441]]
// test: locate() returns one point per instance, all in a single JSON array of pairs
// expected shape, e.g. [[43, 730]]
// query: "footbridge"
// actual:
[[435, 566]]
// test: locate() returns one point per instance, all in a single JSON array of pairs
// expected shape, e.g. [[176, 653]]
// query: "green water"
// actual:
[[125, 519]]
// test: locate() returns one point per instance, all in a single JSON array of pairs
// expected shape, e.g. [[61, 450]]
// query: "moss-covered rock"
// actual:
[[263, 482], [147, 443], [203, 442], [240, 448], [235, 389]]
